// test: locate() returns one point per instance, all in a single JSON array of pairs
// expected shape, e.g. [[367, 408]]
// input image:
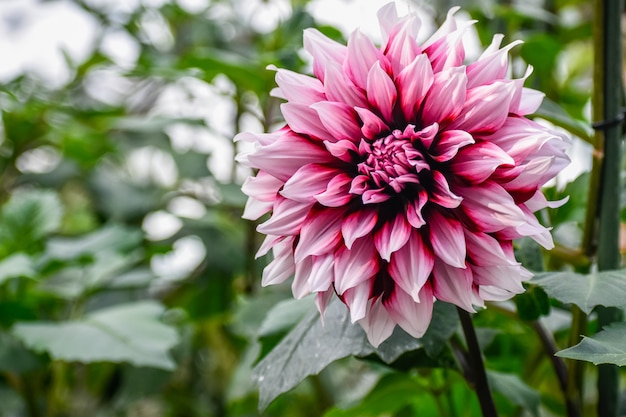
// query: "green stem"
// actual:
[[479, 376], [608, 37]]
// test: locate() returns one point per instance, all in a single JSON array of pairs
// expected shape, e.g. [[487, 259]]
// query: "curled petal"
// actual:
[[373, 126], [392, 236], [337, 193], [355, 266], [305, 120], [308, 181], [282, 267], [492, 64], [358, 224], [448, 144], [320, 233], [414, 209], [441, 193], [324, 51], [339, 119], [286, 219], [342, 149], [298, 88], [485, 250], [402, 47], [478, 162]]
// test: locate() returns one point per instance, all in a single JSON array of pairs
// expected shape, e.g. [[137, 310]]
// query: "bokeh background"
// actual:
[[128, 284]]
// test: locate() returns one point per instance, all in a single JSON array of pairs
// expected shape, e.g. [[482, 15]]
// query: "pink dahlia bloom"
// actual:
[[402, 175]]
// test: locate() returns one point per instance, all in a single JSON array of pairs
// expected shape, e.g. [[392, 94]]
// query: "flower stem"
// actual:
[[479, 376], [608, 89]]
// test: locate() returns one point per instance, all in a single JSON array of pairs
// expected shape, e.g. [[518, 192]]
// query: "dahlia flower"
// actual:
[[402, 175]]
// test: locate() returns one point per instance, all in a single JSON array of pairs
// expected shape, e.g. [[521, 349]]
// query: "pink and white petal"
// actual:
[[361, 56], [490, 206], [298, 88], [256, 208], [387, 20], [448, 52], [489, 293], [506, 277], [358, 224], [381, 91], [357, 300], [263, 186], [539, 202], [486, 108], [478, 162], [402, 47], [343, 149], [448, 26], [284, 157], [411, 266], [453, 285], [322, 274], [305, 120], [448, 144], [377, 323], [282, 267], [375, 196], [286, 219], [321, 301], [414, 81], [446, 97], [373, 126], [492, 65], [341, 89], [320, 233], [392, 236], [300, 286], [485, 250], [355, 266], [441, 194], [307, 182], [261, 138], [323, 50], [529, 102], [413, 317], [447, 239], [414, 209], [339, 119], [268, 243], [338, 192]]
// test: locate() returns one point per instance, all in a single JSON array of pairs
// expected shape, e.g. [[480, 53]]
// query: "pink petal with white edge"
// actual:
[[387, 20], [323, 50], [441, 194], [343, 149], [256, 208], [308, 181], [361, 56], [446, 96], [282, 267], [341, 89], [263, 186], [298, 88], [448, 52], [402, 47], [286, 219], [507, 277], [358, 224], [373, 126], [320, 233], [529, 102], [392, 236], [321, 301], [381, 91], [492, 64], [322, 274], [489, 293], [490, 206], [486, 108], [377, 323], [485, 250], [478, 162], [355, 266], [414, 81], [339, 119], [357, 299], [539, 202], [448, 144], [284, 157], [447, 239], [304, 120], [268, 243], [338, 192], [414, 209], [453, 285], [411, 265], [300, 286], [413, 317]]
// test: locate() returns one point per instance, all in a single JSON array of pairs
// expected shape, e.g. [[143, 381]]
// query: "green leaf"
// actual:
[[553, 113], [26, 218], [285, 315], [123, 333], [312, 345], [607, 346], [515, 390], [607, 288], [14, 357], [17, 265]]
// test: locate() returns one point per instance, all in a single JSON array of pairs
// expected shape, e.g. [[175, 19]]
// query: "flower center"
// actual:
[[387, 165]]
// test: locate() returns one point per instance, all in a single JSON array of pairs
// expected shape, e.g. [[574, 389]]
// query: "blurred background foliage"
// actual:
[[128, 285]]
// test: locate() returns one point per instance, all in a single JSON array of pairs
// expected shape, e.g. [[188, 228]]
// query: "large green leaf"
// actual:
[[123, 333], [16, 265], [607, 288], [515, 390], [312, 345], [607, 346]]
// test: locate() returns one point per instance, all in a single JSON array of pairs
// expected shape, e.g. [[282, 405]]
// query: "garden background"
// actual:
[[128, 280]]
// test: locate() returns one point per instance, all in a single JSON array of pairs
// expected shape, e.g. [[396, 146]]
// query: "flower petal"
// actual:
[[308, 181], [357, 299], [337, 193], [339, 119], [322, 274], [441, 194], [361, 56], [282, 267], [453, 285], [340, 88], [392, 236], [447, 239], [320, 233], [411, 265], [298, 88], [373, 126], [486, 108], [446, 96], [414, 81], [355, 266], [286, 219], [478, 162], [358, 224], [448, 144], [377, 323], [381, 91], [323, 50], [413, 317], [304, 120]]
